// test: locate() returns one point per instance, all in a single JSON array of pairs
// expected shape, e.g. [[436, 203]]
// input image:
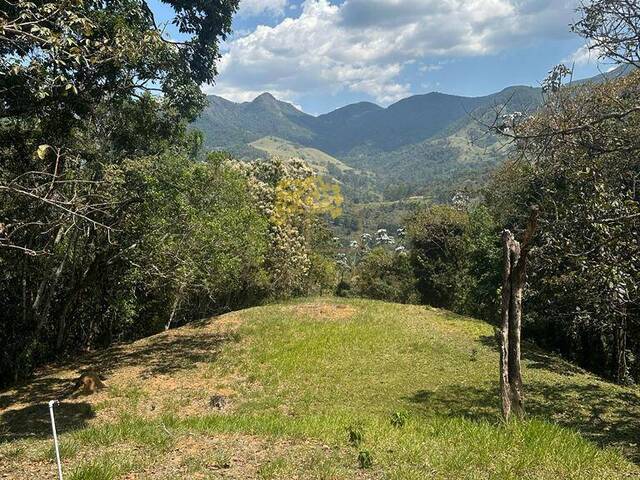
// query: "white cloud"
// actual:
[[364, 45], [430, 67], [252, 8], [583, 56]]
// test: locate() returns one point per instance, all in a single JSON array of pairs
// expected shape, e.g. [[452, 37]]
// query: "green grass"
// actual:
[[106, 467], [394, 392], [128, 429]]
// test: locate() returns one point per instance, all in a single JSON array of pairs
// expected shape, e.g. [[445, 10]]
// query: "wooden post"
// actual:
[[515, 257]]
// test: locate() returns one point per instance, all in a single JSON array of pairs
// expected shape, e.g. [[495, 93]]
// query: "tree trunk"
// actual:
[[47, 289], [515, 327], [513, 280], [87, 277], [505, 389], [620, 342], [62, 319], [174, 309], [46, 293]]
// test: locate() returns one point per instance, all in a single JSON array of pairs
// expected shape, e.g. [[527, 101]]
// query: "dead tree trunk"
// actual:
[[505, 389], [513, 279]]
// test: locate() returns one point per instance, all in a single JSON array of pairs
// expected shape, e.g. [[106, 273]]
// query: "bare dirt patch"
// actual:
[[324, 311]]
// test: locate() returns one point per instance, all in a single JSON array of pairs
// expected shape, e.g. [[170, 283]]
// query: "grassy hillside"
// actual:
[[312, 386], [317, 159]]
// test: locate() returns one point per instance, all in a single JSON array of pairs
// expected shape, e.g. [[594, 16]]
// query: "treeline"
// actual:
[[577, 160], [113, 224]]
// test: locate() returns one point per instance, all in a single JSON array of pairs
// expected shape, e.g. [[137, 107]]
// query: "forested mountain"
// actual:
[[420, 141], [425, 144], [352, 129]]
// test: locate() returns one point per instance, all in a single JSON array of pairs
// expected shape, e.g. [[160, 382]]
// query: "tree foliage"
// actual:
[[75, 79], [579, 161], [456, 256], [385, 275], [105, 218], [612, 28], [291, 197]]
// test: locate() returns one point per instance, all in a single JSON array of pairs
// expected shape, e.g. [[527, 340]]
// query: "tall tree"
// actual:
[[63, 65], [577, 158]]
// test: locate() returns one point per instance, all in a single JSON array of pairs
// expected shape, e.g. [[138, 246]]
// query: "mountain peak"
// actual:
[[265, 97]]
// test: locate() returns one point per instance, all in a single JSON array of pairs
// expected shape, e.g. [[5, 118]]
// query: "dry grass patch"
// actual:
[[164, 373], [323, 311]]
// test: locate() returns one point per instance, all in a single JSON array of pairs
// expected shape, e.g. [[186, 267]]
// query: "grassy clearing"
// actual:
[[325, 389]]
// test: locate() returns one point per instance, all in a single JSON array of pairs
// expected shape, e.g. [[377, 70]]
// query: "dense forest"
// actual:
[[116, 223]]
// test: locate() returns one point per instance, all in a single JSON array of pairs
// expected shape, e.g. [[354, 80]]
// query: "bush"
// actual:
[[456, 258], [385, 275]]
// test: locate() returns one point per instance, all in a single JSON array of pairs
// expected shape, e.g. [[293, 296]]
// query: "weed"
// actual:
[[398, 419], [356, 435], [272, 469], [365, 460], [221, 459]]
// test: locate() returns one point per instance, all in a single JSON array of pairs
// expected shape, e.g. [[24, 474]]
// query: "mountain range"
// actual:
[[429, 144]]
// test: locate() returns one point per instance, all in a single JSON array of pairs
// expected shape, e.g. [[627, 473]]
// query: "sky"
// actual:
[[323, 54]]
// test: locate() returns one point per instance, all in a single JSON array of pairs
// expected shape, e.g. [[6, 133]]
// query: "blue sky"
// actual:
[[324, 54]]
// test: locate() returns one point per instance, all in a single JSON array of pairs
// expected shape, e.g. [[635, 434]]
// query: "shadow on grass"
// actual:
[[162, 355], [24, 411], [38, 390], [33, 421], [536, 358], [604, 414]]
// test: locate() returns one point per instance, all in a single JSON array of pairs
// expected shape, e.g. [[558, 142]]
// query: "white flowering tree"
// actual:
[[290, 195]]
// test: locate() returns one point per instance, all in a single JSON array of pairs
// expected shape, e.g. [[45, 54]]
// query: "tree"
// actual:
[[439, 256], [456, 258], [64, 64], [386, 275], [577, 158], [291, 196], [612, 28], [515, 256], [200, 239]]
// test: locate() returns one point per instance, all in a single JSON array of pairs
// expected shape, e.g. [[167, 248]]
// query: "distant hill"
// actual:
[[320, 161], [430, 144], [227, 124]]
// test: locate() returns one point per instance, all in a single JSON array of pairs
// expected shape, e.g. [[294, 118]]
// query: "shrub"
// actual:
[[456, 258], [385, 275]]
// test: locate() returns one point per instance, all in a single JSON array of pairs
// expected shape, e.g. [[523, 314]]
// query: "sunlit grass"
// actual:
[[105, 467], [128, 429]]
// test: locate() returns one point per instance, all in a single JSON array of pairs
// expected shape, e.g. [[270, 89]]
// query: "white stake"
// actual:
[[55, 436]]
